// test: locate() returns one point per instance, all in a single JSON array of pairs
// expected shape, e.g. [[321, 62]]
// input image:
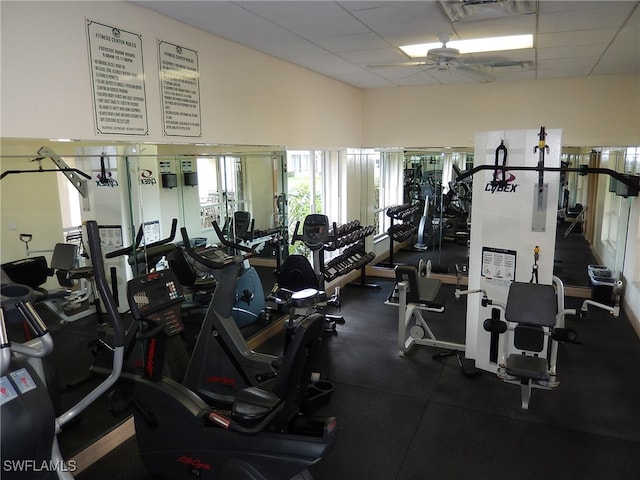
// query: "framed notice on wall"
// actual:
[[180, 88], [117, 80]]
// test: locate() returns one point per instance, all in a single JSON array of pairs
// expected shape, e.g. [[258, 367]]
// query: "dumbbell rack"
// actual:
[[399, 232], [350, 237]]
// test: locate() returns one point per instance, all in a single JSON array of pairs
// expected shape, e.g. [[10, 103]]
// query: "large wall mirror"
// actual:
[[592, 213], [134, 185], [128, 188]]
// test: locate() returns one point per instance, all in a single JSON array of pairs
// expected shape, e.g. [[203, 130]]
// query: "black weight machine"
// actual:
[[416, 294]]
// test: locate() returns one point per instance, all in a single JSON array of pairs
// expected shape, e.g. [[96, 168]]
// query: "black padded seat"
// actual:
[[252, 404], [527, 367], [286, 393], [532, 304], [80, 272]]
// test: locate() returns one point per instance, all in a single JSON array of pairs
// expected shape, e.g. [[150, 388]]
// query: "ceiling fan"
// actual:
[[444, 58]]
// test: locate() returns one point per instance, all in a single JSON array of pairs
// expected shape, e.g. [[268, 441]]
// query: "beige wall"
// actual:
[[592, 111], [251, 98], [246, 97]]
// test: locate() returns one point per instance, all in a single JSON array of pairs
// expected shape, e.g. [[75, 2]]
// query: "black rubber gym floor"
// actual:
[[416, 417]]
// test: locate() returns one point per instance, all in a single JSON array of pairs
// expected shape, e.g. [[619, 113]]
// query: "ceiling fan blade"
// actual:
[[399, 64], [495, 62], [477, 72]]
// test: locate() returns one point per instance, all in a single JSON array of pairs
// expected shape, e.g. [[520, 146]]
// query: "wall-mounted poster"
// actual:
[[180, 88], [117, 80]]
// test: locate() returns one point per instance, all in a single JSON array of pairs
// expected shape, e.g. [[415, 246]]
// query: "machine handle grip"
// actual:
[[131, 248], [296, 237], [5, 351], [227, 243], [207, 262], [29, 313], [95, 251]]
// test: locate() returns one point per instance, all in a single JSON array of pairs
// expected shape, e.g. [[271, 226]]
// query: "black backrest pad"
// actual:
[[296, 273], [64, 256], [528, 337], [421, 289], [532, 304]]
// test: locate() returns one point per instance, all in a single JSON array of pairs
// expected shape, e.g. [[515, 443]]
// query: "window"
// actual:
[[389, 184], [208, 191]]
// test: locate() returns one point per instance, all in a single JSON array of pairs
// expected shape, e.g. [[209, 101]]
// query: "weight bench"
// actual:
[[415, 294], [534, 317]]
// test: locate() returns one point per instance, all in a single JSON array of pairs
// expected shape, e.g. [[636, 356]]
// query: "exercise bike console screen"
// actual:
[[156, 297], [315, 231]]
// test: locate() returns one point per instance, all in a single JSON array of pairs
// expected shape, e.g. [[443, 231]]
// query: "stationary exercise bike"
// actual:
[[29, 424], [221, 363], [249, 305], [261, 435]]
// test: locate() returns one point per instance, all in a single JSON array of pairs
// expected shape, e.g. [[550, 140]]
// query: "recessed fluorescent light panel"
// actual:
[[478, 45]]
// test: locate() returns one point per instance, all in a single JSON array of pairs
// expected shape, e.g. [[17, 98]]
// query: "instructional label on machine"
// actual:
[[498, 265], [117, 80], [110, 236], [180, 87]]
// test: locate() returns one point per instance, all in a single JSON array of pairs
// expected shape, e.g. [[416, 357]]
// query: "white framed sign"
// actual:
[[117, 80], [180, 89]]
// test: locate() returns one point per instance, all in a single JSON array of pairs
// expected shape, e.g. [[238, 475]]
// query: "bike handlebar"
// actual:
[[136, 244], [227, 243], [217, 261]]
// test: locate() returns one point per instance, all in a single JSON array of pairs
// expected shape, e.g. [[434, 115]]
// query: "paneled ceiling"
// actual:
[[346, 40]]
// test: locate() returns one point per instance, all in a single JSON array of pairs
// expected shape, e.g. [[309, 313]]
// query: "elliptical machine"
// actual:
[[139, 257], [262, 435], [29, 425]]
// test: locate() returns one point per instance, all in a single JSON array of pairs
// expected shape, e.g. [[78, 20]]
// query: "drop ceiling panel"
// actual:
[[341, 39], [606, 15]]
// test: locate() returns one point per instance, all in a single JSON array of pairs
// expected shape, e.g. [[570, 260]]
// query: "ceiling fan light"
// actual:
[[495, 44], [478, 45]]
